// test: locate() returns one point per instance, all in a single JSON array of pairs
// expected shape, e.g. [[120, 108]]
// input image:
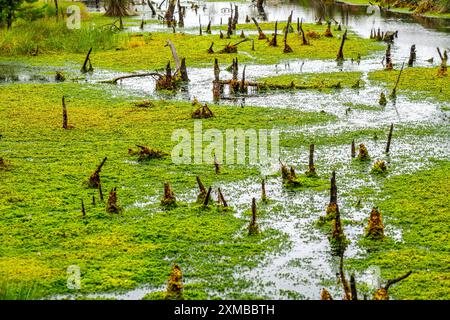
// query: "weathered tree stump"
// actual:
[[83, 210], [221, 200], [207, 197], [112, 206], [388, 58], [325, 295], [169, 197], [383, 100], [287, 48], [263, 191], [146, 153], [202, 112], [353, 149], [388, 144], [261, 35], [253, 227], [311, 172], [273, 42], [216, 165], [363, 154], [412, 56], [340, 55], [94, 179], [202, 194], [85, 68], [64, 114], [174, 289], [328, 33], [169, 16], [375, 227], [382, 293], [443, 67]]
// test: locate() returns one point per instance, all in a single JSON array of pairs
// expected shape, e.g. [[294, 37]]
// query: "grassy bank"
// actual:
[[58, 45]]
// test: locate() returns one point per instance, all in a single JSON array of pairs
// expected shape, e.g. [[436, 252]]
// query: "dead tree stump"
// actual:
[[375, 227], [388, 144], [207, 197], [443, 67], [382, 293], [263, 191], [353, 151], [261, 35], [340, 55], [412, 56], [216, 165], [174, 289], [273, 42], [253, 227], [202, 195], [85, 68], [221, 200], [388, 58], [169, 197], [325, 295], [112, 206], [64, 114], [94, 179], [363, 154], [311, 168], [328, 33]]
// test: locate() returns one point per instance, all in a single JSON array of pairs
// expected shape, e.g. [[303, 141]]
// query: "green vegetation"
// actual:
[[417, 204], [416, 83], [143, 51], [42, 231]]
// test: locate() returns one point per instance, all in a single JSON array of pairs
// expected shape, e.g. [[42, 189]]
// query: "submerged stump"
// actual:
[[169, 197], [253, 227], [112, 206], [363, 154]]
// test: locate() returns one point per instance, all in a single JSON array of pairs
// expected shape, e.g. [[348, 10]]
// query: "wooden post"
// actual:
[[388, 58], [64, 113], [253, 227], [388, 145]]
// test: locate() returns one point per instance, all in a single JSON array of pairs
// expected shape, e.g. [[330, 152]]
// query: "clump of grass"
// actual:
[[49, 36], [17, 291]]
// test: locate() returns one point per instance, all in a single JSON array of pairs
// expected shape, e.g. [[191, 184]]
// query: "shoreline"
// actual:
[[434, 15]]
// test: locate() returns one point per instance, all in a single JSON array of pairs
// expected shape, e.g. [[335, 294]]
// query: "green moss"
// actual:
[[418, 205]]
